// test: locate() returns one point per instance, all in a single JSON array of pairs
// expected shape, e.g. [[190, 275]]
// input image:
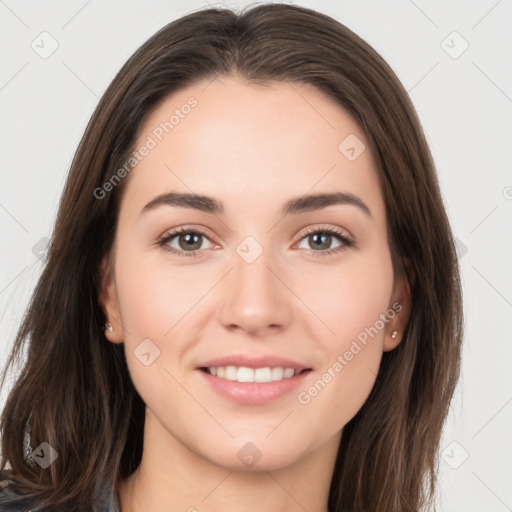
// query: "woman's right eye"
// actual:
[[186, 239]]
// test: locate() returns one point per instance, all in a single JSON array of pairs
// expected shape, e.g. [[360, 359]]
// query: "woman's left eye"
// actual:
[[189, 241], [321, 237]]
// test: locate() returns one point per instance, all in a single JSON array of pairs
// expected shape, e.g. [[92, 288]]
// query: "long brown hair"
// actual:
[[74, 390]]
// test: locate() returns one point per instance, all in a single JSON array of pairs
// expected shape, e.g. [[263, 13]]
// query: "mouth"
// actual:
[[253, 386], [253, 379], [259, 375]]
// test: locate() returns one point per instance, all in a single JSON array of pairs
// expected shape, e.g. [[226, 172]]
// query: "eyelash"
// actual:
[[167, 237]]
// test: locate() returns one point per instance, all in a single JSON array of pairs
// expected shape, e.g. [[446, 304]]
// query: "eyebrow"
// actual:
[[293, 206]]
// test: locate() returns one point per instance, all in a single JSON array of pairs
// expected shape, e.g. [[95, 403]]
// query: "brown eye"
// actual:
[[185, 242], [321, 241], [189, 241]]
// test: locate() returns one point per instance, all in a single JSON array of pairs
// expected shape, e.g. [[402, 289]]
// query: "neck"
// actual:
[[172, 478]]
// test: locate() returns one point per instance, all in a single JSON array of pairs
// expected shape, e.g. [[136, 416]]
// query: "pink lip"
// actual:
[[253, 362], [253, 393]]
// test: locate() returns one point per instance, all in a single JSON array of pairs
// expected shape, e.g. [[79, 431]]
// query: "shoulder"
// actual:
[[12, 498]]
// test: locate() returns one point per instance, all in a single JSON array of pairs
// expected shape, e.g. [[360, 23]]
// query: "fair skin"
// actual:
[[253, 148]]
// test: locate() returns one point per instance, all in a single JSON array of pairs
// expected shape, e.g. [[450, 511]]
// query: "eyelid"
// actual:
[[315, 228], [171, 233]]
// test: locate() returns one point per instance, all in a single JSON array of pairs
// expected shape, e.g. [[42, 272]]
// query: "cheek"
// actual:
[[155, 295], [351, 297], [338, 392], [351, 305], [354, 306], [156, 308], [352, 301]]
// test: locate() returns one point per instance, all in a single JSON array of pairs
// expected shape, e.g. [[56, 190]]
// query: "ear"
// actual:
[[401, 304], [109, 302]]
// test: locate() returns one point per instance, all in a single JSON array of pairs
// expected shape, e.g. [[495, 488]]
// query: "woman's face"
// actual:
[[263, 276]]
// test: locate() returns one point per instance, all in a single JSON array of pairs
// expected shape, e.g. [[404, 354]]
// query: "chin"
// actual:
[[255, 456]]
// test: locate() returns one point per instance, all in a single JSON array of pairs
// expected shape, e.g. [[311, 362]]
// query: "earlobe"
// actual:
[[402, 297], [112, 329]]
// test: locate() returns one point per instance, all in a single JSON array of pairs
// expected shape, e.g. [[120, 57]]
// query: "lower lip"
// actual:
[[254, 393]]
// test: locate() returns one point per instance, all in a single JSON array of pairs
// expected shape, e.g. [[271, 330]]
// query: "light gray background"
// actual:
[[464, 102]]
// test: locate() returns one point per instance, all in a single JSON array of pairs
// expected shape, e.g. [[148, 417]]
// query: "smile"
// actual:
[[250, 391], [246, 374]]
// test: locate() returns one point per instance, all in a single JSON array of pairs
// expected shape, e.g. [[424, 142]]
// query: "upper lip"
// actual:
[[253, 361]]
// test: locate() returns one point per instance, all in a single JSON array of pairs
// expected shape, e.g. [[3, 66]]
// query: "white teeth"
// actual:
[[245, 374], [277, 373], [288, 373], [262, 374], [231, 373]]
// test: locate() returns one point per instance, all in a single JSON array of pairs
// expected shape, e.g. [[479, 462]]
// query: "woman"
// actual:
[[252, 297]]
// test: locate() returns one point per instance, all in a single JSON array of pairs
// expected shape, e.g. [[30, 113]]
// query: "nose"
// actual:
[[255, 297]]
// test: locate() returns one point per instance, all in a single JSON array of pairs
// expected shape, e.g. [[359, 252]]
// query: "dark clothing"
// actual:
[[11, 501]]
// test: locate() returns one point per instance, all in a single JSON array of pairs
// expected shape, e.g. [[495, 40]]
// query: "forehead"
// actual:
[[244, 142]]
